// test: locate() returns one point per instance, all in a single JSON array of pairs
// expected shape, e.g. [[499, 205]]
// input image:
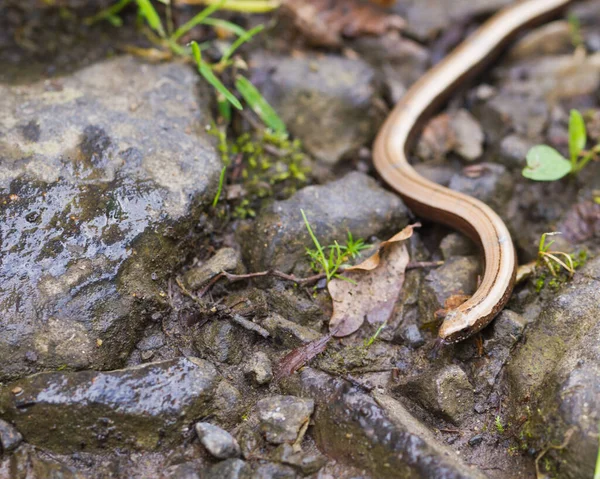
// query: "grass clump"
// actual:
[[330, 259]]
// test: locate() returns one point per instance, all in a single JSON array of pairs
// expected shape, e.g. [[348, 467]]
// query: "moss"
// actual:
[[262, 165]]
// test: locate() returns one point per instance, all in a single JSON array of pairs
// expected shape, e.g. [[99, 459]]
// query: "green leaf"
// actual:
[[151, 16], [109, 14], [546, 164], [259, 105], [196, 20], [224, 108], [210, 77], [577, 135]]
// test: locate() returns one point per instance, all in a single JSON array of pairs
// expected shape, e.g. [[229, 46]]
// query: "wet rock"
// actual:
[[182, 471], [458, 275], [230, 469], [271, 470], [410, 335], [475, 440], [226, 259], [551, 39], [353, 203], [513, 151], [426, 19], [447, 393], [440, 174], [281, 417], [375, 433], [250, 440], [505, 331], [217, 441], [488, 182], [557, 371], [28, 462], [259, 369], [327, 101], [101, 179], [306, 463], [227, 403], [140, 407], [10, 438], [286, 333], [222, 341], [456, 244]]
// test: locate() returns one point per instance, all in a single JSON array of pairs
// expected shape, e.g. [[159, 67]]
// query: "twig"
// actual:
[[232, 278], [566, 440], [249, 325]]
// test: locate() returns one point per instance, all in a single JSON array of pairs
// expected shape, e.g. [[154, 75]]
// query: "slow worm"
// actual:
[[430, 200]]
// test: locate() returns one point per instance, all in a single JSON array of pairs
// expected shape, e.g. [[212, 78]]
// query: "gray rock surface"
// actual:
[[218, 442], [375, 433], [140, 407], [446, 392], [287, 333], [29, 462], [426, 18], [490, 183], [102, 175], [457, 244], [10, 438], [281, 417], [327, 101], [259, 369], [226, 259], [355, 202], [557, 371], [230, 469]]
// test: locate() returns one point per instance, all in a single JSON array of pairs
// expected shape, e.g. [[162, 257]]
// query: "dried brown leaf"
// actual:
[[325, 22], [375, 287]]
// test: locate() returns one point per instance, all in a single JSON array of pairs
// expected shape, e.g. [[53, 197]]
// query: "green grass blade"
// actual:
[[249, 6], [240, 41], [225, 25], [224, 107], [259, 105], [210, 77], [220, 189], [108, 13], [151, 15], [197, 19]]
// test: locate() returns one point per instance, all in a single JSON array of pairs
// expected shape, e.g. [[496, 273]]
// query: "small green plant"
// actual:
[[575, 30], [220, 188], [369, 341], [499, 425], [552, 259], [544, 163], [331, 263], [353, 247], [170, 37]]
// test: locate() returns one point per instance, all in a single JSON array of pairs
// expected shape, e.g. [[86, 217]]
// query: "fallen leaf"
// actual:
[[301, 355], [326, 22], [375, 287]]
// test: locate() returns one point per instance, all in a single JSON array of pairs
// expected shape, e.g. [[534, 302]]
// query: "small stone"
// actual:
[[217, 441], [411, 336], [281, 417], [468, 134], [227, 403], [447, 393], [488, 182], [226, 259], [307, 463], [259, 369], [476, 440], [229, 469], [550, 39], [271, 470], [513, 151], [456, 244], [10, 438]]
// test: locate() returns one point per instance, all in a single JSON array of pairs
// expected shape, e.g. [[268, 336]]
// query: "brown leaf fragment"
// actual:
[[326, 22], [374, 287], [582, 222], [301, 355]]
